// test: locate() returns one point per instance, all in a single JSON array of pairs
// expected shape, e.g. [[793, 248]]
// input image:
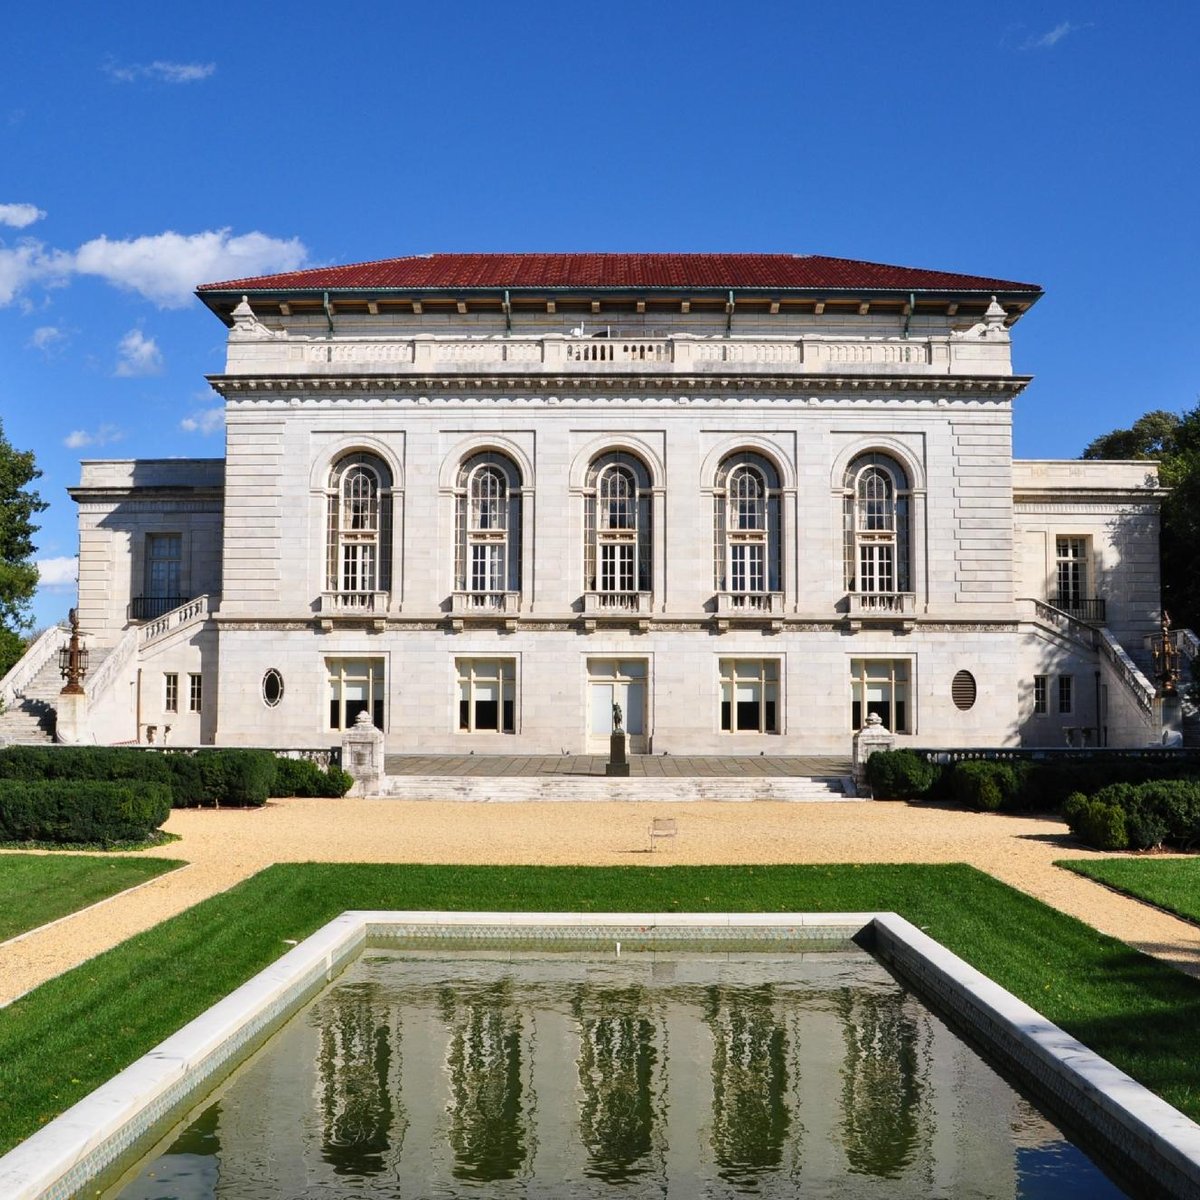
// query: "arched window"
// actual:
[[358, 565], [746, 526], [875, 521], [618, 546], [488, 529]]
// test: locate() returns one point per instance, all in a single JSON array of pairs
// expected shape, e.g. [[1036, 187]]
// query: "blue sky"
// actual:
[[147, 148]]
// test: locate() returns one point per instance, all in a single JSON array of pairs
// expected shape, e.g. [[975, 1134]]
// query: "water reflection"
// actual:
[[885, 1117], [750, 1082], [487, 1123], [618, 1122], [358, 1079]]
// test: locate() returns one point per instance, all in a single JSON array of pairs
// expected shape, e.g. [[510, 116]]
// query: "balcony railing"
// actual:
[[353, 603], [882, 604], [149, 608], [749, 604], [485, 604], [1090, 612], [616, 603]]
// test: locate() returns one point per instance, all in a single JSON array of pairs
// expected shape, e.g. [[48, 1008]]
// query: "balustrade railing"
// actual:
[[1138, 685], [616, 602], [485, 603], [882, 604], [749, 604], [188, 613], [353, 602]]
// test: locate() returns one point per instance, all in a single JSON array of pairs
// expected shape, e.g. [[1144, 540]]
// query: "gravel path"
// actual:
[[226, 846]]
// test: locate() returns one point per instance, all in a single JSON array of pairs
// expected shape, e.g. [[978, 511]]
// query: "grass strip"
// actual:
[[1171, 883], [74, 1032], [37, 888]]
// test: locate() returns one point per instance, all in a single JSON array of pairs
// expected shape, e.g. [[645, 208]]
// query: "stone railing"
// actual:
[[1188, 643], [749, 604], [677, 353], [353, 603], [117, 662], [45, 647], [190, 613], [1126, 670], [615, 603], [882, 604], [1066, 624], [485, 603]]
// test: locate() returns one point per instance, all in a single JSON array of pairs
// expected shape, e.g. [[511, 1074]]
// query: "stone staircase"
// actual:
[[651, 789], [30, 718]]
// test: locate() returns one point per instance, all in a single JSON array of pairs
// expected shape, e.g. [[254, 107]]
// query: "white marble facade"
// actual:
[[750, 517]]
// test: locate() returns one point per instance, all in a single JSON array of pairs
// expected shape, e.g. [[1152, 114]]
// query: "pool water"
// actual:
[[553, 1073]]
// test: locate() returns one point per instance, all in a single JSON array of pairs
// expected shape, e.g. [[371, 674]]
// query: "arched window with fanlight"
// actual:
[[875, 520], [618, 538], [358, 557], [746, 529], [488, 531]]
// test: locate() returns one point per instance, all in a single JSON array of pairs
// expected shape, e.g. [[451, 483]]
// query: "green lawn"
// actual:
[[36, 888], [71, 1034], [1171, 883]]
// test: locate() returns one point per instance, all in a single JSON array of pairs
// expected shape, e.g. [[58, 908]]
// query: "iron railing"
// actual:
[[147, 608], [1090, 612]]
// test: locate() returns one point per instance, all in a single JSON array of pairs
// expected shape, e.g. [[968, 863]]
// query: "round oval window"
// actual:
[[272, 688], [963, 690]]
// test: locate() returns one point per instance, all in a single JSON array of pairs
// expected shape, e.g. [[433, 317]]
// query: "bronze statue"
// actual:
[[617, 719]]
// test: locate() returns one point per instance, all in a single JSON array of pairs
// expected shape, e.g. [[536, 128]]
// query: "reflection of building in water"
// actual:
[[358, 1080], [750, 1102], [488, 1131], [622, 1064], [885, 1078]]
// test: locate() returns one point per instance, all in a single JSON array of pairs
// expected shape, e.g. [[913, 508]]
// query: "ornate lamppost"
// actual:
[[1165, 649], [73, 659]]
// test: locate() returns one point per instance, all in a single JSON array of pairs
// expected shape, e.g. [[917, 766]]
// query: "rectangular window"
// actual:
[[195, 693], [355, 685], [749, 695], [163, 589], [486, 695], [1041, 695], [881, 687], [487, 567], [1071, 556], [617, 567], [171, 692], [1066, 693], [876, 573], [747, 563]]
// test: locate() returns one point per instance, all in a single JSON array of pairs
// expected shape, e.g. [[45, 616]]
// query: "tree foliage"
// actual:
[[1174, 441], [19, 504]]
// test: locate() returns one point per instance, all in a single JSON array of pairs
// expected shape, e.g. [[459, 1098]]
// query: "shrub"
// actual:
[[1161, 810], [899, 774], [984, 785], [236, 778], [299, 777], [81, 810]]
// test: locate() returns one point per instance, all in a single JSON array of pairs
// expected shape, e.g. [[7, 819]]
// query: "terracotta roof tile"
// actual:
[[674, 272]]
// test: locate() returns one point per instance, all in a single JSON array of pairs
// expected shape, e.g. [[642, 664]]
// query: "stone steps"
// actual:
[[523, 788], [30, 720]]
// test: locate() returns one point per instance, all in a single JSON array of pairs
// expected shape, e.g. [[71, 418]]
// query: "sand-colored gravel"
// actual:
[[226, 846]]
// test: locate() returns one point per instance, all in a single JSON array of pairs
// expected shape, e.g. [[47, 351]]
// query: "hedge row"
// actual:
[[81, 810], [234, 778], [1142, 816]]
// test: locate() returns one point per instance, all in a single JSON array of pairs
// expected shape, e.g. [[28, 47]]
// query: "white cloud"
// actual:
[[20, 215], [138, 355], [58, 572], [160, 71], [167, 267], [209, 421], [1052, 37], [47, 338], [78, 438], [25, 262]]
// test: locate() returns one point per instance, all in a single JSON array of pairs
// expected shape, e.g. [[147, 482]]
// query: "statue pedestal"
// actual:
[[618, 761], [362, 755], [71, 726], [872, 737]]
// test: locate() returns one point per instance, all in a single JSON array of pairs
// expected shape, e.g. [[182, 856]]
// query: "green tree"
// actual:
[[1174, 441], [18, 574]]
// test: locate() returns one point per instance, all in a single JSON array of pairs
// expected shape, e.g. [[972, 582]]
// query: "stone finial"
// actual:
[[246, 326], [994, 317]]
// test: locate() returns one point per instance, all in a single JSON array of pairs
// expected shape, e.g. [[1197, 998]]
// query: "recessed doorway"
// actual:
[[616, 681]]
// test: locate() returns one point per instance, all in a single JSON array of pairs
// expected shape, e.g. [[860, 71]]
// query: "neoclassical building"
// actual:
[[750, 499]]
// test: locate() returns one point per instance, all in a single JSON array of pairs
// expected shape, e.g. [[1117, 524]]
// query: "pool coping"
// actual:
[[126, 1115]]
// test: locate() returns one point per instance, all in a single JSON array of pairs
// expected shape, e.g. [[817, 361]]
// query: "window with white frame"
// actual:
[[486, 695], [881, 687], [749, 695], [359, 529], [488, 527], [170, 692], [1071, 555], [1041, 695], [354, 685], [875, 525], [1066, 693], [618, 542], [195, 693], [746, 526]]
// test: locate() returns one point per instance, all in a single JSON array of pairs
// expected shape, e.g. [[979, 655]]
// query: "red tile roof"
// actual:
[[572, 272]]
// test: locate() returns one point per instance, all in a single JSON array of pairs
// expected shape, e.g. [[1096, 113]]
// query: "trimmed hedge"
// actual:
[[899, 775], [81, 810], [1140, 816], [987, 786], [299, 777]]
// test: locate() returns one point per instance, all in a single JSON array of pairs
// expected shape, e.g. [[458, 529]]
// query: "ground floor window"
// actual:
[[1066, 693], [195, 693], [1041, 691], [750, 695], [486, 695], [170, 692], [355, 686], [881, 687]]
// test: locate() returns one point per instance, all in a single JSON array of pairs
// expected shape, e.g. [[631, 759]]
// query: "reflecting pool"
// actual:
[[571, 1073]]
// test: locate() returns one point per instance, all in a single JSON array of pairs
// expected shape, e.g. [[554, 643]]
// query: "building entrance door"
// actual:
[[616, 681]]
